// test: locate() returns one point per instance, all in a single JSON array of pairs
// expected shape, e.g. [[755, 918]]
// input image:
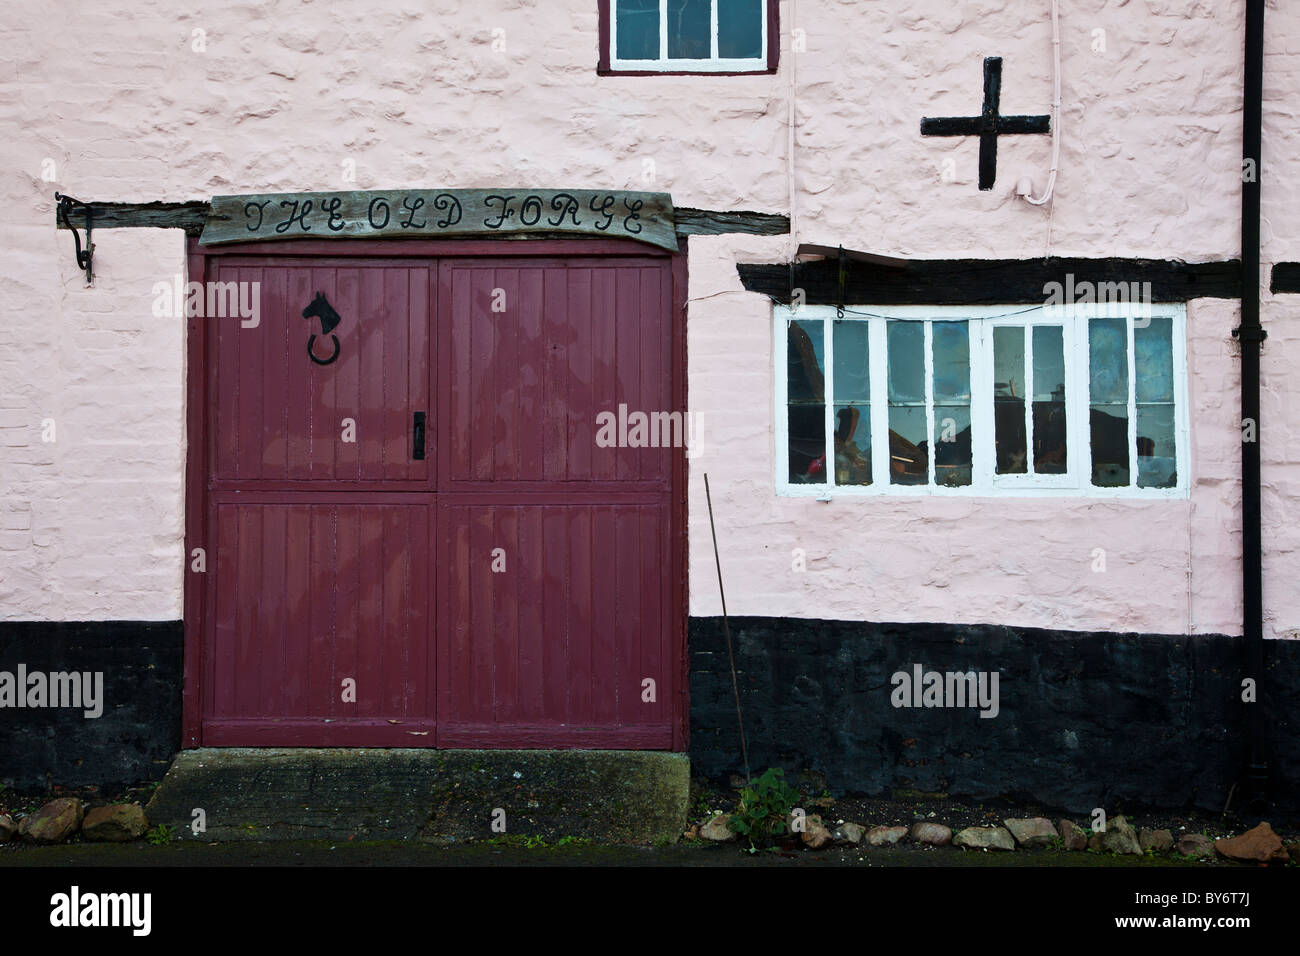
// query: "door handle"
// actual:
[[417, 436]]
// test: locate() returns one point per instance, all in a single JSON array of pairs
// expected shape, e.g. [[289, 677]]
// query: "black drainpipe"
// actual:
[[1250, 334]]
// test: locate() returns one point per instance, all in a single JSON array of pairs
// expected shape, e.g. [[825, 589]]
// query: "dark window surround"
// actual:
[[773, 49]]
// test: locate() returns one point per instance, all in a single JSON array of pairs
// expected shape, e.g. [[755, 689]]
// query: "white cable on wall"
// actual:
[[790, 122], [1056, 112]]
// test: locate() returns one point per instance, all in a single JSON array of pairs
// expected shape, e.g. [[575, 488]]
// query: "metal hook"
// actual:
[[83, 257]]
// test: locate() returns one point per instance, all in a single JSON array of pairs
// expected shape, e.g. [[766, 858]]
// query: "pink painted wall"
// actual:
[[111, 101]]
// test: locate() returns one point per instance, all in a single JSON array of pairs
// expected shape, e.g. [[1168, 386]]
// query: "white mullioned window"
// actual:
[[1013, 400], [697, 36]]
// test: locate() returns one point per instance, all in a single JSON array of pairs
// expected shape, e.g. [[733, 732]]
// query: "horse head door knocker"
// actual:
[[320, 308]]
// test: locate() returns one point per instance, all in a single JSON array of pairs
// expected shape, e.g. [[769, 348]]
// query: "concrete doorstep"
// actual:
[[440, 796]]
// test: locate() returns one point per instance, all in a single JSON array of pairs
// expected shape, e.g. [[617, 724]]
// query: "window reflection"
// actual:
[[928, 410], [909, 444], [1012, 449], [806, 403], [950, 343], [852, 444], [1108, 382], [852, 402], [1153, 361], [1049, 400]]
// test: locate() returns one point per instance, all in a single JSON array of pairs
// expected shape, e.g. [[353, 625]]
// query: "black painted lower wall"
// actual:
[[1086, 719], [139, 729]]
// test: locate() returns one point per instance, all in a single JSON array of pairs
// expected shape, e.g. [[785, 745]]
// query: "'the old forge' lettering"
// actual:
[[647, 217]]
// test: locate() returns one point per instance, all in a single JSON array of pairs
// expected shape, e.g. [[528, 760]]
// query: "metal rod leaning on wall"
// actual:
[[726, 630]]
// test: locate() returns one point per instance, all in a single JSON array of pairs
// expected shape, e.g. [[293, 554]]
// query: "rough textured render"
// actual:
[[115, 103]]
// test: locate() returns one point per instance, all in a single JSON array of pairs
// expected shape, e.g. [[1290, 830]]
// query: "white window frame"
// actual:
[[714, 64], [1076, 482]]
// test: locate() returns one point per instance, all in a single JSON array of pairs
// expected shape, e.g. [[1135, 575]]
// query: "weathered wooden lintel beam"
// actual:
[[191, 216], [989, 281]]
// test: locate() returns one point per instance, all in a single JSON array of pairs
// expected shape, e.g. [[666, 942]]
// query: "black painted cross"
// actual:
[[988, 125]]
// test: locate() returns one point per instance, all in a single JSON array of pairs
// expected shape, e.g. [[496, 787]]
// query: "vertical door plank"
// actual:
[[274, 620], [248, 610], [555, 648], [532, 636], [581, 435], [394, 412], [604, 366], [504, 416], [532, 371], [556, 341], [581, 584], [298, 373], [298, 596]]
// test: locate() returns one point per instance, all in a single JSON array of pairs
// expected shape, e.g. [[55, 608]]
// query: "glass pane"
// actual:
[[1157, 456], [1109, 431], [1049, 400], [805, 385], [1108, 416], [1012, 448], [909, 456], [1153, 360], [852, 365], [951, 345], [740, 29], [852, 440], [1108, 361], [906, 362], [689, 28], [909, 443], [952, 456], [805, 358], [1049, 364], [807, 444], [637, 28]]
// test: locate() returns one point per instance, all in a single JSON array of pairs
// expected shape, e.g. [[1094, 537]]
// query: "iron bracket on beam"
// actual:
[[84, 257]]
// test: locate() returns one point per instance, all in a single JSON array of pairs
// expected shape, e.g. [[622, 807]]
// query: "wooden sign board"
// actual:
[[431, 213]]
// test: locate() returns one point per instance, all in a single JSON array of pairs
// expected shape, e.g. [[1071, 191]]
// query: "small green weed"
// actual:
[[764, 808]]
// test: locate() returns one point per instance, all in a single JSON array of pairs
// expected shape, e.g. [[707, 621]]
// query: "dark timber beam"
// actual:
[[191, 217], [708, 222], [1286, 277], [989, 281]]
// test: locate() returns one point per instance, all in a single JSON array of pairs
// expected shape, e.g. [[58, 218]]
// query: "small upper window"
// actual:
[[688, 36]]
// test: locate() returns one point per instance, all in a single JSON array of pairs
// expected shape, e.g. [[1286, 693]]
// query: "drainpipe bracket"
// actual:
[[1244, 333]]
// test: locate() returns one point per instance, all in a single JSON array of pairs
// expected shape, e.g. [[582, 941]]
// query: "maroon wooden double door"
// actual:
[[421, 542]]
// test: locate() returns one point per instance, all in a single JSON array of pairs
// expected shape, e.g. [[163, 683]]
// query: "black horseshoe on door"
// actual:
[[320, 361], [320, 308]]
